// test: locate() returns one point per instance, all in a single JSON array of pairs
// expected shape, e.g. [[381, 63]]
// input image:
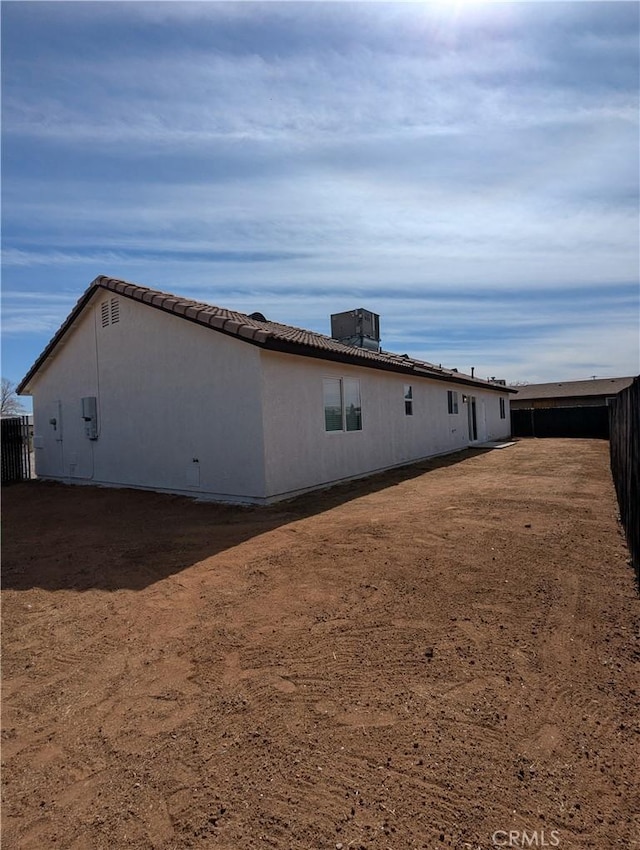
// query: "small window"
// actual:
[[408, 400], [452, 401], [503, 409], [342, 406]]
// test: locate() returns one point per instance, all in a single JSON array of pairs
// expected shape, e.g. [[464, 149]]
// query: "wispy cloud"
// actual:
[[466, 170], [36, 312]]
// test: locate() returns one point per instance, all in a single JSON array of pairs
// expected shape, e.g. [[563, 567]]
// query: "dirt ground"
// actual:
[[430, 658]]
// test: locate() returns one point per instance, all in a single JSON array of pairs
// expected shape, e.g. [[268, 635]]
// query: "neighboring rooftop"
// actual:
[[573, 389], [260, 332]]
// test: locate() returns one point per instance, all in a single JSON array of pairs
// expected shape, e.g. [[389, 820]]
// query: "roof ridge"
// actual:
[[115, 284], [266, 334]]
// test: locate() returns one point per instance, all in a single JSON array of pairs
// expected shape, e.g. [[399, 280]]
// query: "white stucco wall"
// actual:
[[301, 455], [186, 409], [168, 391]]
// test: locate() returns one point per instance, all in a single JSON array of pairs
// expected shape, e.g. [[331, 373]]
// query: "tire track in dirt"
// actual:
[[418, 664]]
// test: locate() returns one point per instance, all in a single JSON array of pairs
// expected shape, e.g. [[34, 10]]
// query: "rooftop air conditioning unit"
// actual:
[[357, 327]]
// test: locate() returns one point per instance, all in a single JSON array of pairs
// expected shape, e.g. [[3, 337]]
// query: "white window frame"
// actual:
[[344, 414], [452, 402], [503, 408]]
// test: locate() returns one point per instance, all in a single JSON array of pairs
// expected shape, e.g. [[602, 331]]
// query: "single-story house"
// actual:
[[565, 408], [140, 388]]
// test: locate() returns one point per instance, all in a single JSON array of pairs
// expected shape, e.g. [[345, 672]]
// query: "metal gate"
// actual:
[[16, 449]]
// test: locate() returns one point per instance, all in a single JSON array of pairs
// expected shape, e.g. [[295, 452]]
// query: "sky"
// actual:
[[469, 171]]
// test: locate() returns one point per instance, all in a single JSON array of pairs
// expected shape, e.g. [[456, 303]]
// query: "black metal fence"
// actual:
[[561, 422], [624, 447], [16, 449]]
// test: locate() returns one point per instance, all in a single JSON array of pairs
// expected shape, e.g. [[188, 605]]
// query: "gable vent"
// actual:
[[110, 312]]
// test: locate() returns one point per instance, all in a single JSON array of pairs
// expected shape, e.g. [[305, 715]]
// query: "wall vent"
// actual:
[[110, 312]]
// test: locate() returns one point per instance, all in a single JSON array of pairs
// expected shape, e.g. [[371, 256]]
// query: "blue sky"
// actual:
[[469, 171]]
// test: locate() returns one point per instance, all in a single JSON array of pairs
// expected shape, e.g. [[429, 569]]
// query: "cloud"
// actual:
[[35, 312], [517, 336], [296, 73], [458, 169], [343, 230]]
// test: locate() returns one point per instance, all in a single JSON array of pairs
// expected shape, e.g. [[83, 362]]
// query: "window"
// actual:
[[332, 404], [452, 401], [342, 406], [408, 400], [352, 406], [503, 409]]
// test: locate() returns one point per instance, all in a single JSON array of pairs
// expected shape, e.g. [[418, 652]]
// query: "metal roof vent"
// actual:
[[257, 317], [360, 328]]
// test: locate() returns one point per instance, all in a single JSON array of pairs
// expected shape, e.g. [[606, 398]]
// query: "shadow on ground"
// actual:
[[59, 537]]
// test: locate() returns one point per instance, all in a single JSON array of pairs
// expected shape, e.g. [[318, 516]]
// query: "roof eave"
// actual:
[[229, 327], [350, 359], [23, 386]]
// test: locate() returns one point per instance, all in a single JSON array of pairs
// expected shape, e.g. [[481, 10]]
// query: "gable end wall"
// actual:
[[178, 406]]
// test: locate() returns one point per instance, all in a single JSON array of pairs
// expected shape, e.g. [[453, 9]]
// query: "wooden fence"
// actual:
[[624, 447], [16, 446]]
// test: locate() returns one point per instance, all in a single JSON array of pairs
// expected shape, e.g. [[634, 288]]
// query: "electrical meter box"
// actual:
[[90, 416]]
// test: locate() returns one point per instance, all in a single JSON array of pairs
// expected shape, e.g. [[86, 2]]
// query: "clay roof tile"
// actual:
[[265, 333]]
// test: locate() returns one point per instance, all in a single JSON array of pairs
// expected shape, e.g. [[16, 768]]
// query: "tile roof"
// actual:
[[266, 334], [566, 389]]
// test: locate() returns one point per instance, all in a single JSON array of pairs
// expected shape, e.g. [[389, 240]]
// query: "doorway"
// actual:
[[473, 418]]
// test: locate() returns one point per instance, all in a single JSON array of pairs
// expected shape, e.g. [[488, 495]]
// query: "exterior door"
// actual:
[[473, 419], [482, 427], [47, 440]]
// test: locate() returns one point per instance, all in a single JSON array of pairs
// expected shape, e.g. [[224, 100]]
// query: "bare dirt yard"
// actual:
[[432, 658]]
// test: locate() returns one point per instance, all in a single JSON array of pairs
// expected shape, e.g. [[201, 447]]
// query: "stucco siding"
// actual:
[[57, 425], [497, 427], [186, 409], [179, 406], [300, 454]]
